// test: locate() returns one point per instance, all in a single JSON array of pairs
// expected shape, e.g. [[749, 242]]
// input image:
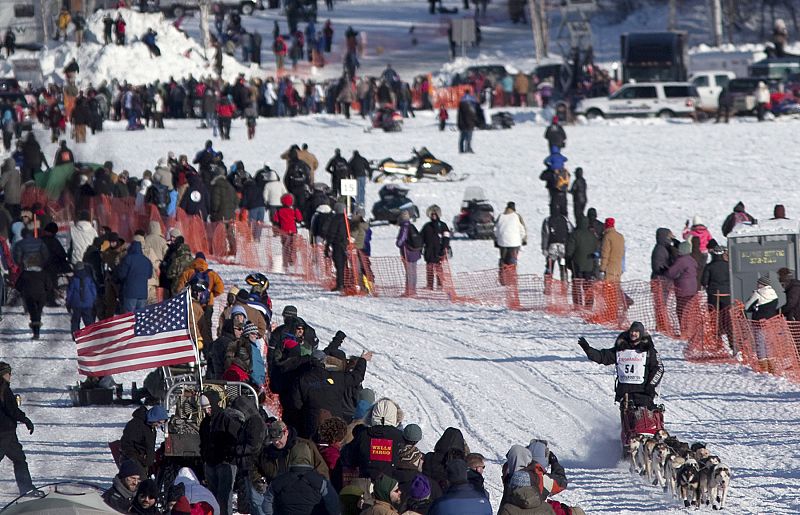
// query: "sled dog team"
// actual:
[[691, 474]]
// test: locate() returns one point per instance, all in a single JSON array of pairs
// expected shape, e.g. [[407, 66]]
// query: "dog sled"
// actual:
[[638, 420]]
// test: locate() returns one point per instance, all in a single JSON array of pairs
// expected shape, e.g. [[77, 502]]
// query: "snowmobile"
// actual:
[[502, 120], [388, 119], [423, 164], [393, 200], [476, 218]]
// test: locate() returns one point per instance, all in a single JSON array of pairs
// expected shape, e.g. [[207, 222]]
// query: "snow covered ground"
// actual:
[[502, 377]]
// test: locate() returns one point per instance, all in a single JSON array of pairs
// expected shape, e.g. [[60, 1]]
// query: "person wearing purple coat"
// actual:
[[409, 241], [683, 273]]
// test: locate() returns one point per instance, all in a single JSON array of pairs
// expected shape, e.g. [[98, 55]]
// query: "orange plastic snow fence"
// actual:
[[713, 334]]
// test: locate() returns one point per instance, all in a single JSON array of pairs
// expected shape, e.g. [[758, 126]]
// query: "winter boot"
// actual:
[[35, 327]]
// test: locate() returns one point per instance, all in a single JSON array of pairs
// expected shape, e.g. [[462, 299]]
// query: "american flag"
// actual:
[[155, 336]]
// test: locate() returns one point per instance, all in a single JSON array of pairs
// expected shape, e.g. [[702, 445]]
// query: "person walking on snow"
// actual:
[[10, 416], [510, 234]]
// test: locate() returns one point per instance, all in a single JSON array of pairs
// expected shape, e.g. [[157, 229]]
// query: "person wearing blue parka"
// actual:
[[461, 497], [81, 296], [133, 273]]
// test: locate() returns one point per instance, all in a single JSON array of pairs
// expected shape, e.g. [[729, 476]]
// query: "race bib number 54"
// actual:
[[631, 366]]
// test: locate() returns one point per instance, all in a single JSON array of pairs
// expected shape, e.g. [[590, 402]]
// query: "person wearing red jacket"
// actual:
[[286, 218], [280, 49], [225, 111]]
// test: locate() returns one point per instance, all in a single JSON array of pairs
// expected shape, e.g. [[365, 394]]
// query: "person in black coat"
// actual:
[[555, 135], [144, 502], [639, 369], [302, 490], [716, 278], [219, 435], [139, 436], [375, 450], [336, 241], [450, 446], [597, 228], [664, 254], [361, 170], [248, 446], [791, 286], [57, 264], [216, 351], [10, 416], [32, 158], [63, 155], [339, 169], [321, 389], [556, 229], [123, 488], [467, 121], [196, 200], [738, 216], [578, 192], [32, 286], [436, 244]]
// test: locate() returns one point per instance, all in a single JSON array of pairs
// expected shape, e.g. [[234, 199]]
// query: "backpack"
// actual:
[[160, 197], [199, 284], [296, 176], [341, 168], [562, 179], [414, 241]]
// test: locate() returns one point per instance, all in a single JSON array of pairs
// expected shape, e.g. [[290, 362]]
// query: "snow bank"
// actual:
[[180, 54]]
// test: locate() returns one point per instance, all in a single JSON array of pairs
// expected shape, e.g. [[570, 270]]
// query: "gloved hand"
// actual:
[[338, 338], [582, 342], [28, 424], [552, 459]]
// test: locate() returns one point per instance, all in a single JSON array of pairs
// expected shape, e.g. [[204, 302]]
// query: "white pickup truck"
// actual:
[[709, 85]]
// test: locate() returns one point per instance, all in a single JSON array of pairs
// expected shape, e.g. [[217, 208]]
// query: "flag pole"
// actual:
[[193, 322]]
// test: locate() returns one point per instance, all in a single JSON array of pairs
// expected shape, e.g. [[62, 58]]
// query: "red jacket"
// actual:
[[226, 110], [288, 216]]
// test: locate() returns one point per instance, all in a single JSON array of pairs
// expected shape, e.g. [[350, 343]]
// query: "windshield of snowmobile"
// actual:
[[424, 152]]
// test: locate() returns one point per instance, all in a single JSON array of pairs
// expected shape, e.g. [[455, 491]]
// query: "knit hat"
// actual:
[[383, 487], [520, 479], [538, 450], [783, 273], [182, 507], [764, 281], [156, 414], [204, 402], [130, 468], [384, 413], [200, 255], [52, 228], [289, 311], [175, 233], [610, 222], [412, 433], [512, 206], [275, 430], [420, 488], [685, 248], [696, 220], [238, 310], [249, 328], [149, 488], [456, 471], [300, 455], [5, 368]]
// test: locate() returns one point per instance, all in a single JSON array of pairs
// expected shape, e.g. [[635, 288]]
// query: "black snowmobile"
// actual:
[[394, 199], [423, 164], [476, 218], [502, 120]]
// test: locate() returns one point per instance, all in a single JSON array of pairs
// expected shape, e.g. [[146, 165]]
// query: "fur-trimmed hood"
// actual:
[[385, 412]]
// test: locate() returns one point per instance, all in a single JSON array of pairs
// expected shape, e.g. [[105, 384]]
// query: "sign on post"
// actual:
[[349, 187]]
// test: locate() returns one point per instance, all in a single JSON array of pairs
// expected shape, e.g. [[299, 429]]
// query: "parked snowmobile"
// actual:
[[423, 164], [394, 199], [388, 119], [476, 218], [502, 120]]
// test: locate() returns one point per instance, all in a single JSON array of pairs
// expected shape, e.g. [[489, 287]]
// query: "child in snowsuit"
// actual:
[[286, 218], [81, 296]]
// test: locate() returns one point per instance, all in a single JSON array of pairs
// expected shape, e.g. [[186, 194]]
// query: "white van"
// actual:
[[662, 99], [709, 85]]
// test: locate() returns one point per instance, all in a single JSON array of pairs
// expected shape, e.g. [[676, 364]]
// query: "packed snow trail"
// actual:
[[502, 377]]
